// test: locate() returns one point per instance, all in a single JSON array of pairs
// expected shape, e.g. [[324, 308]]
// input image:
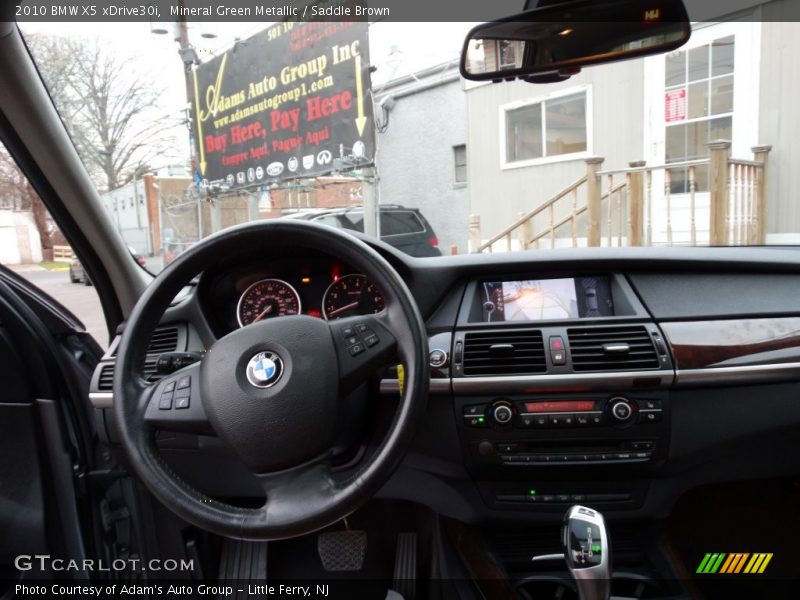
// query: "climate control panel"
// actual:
[[614, 411], [567, 430]]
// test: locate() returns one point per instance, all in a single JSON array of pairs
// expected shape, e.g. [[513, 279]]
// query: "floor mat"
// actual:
[[299, 559]]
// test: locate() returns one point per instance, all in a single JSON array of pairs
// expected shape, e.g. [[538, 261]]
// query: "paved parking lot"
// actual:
[[79, 299]]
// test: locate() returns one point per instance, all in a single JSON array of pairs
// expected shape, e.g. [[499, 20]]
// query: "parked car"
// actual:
[[406, 229], [77, 274]]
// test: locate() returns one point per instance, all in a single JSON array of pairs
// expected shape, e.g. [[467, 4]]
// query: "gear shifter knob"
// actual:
[[588, 552]]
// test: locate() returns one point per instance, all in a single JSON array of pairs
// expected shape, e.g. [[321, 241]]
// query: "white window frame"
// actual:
[[747, 57], [456, 181], [546, 160]]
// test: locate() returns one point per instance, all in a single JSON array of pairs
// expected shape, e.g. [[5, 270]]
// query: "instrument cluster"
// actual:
[[315, 286]]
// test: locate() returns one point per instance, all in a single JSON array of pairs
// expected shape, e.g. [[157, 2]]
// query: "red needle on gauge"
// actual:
[[343, 308], [263, 313]]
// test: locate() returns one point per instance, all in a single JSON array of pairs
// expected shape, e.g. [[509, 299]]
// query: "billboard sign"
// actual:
[[284, 104]]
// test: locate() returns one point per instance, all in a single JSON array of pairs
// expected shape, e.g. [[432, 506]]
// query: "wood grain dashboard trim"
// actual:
[[733, 343]]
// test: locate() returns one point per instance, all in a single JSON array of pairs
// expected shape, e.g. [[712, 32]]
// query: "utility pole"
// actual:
[[189, 57]]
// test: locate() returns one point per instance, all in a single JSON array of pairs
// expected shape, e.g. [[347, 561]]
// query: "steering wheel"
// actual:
[[271, 390]]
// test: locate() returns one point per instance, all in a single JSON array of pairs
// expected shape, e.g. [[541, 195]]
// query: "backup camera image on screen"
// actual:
[[546, 299]]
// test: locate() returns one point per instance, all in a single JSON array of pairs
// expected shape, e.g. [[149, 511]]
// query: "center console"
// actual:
[[560, 391]]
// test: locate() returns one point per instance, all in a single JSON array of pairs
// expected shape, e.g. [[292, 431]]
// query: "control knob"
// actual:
[[620, 409], [502, 413]]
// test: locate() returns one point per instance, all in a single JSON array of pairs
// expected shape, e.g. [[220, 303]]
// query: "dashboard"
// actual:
[[621, 378]]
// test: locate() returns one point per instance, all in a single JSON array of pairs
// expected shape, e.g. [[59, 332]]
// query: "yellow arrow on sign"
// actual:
[[199, 125], [361, 120]]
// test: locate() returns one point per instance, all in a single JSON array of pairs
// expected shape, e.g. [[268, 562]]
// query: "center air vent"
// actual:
[[504, 353], [626, 348]]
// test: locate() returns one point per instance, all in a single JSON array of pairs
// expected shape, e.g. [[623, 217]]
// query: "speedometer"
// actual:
[[351, 295], [266, 299]]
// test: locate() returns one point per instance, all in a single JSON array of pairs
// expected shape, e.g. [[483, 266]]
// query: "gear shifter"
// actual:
[[588, 552]]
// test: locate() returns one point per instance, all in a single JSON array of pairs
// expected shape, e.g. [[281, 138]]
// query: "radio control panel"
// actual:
[[615, 411], [565, 430]]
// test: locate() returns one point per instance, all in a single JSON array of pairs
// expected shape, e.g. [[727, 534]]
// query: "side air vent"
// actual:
[[626, 348], [504, 353], [165, 339], [105, 383]]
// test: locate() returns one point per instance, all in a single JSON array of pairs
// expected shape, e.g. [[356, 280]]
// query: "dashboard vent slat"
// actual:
[[105, 383], [165, 339], [589, 348], [518, 352]]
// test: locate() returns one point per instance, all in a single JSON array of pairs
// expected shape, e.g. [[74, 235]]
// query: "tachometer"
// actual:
[[266, 299], [351, 295]]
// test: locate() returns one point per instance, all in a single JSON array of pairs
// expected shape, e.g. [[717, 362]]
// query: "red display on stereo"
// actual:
[[551, 406]]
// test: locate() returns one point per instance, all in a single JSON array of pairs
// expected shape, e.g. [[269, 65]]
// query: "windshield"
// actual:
[[190, 127]]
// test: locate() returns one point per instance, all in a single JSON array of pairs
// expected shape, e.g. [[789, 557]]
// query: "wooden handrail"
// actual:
[[736, 197], [579, 211], [665, 166], [745, 163], [529, 215]]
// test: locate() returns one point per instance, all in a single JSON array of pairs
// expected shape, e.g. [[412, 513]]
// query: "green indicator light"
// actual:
[[481, 419], [532, 492], [596, 548]]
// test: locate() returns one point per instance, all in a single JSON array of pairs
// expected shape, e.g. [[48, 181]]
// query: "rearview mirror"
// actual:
[[555, 42]]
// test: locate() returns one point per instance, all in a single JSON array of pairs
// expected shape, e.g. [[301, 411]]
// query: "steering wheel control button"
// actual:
[[361, 328], [437, 358], [184, 382], [165, 402], [356, 349], [348, 332], [169, 387], [181, 401], [371, 340], [264, 369], [351, 340]]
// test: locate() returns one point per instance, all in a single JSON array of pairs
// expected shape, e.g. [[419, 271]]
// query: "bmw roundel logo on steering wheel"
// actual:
[[264, 369]]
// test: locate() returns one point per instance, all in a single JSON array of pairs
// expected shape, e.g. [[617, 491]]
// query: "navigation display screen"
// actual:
[[546, 299]]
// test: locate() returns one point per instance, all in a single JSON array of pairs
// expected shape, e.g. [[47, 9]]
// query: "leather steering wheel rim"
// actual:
[[303, 498]]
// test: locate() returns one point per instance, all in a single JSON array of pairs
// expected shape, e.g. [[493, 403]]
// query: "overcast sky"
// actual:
[[396, 49]]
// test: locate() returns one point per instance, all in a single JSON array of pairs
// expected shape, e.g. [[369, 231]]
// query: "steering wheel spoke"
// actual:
[[363, 345], [174, 403]]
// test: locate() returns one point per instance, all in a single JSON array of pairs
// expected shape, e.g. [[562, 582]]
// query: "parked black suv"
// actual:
[[404, 228]]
